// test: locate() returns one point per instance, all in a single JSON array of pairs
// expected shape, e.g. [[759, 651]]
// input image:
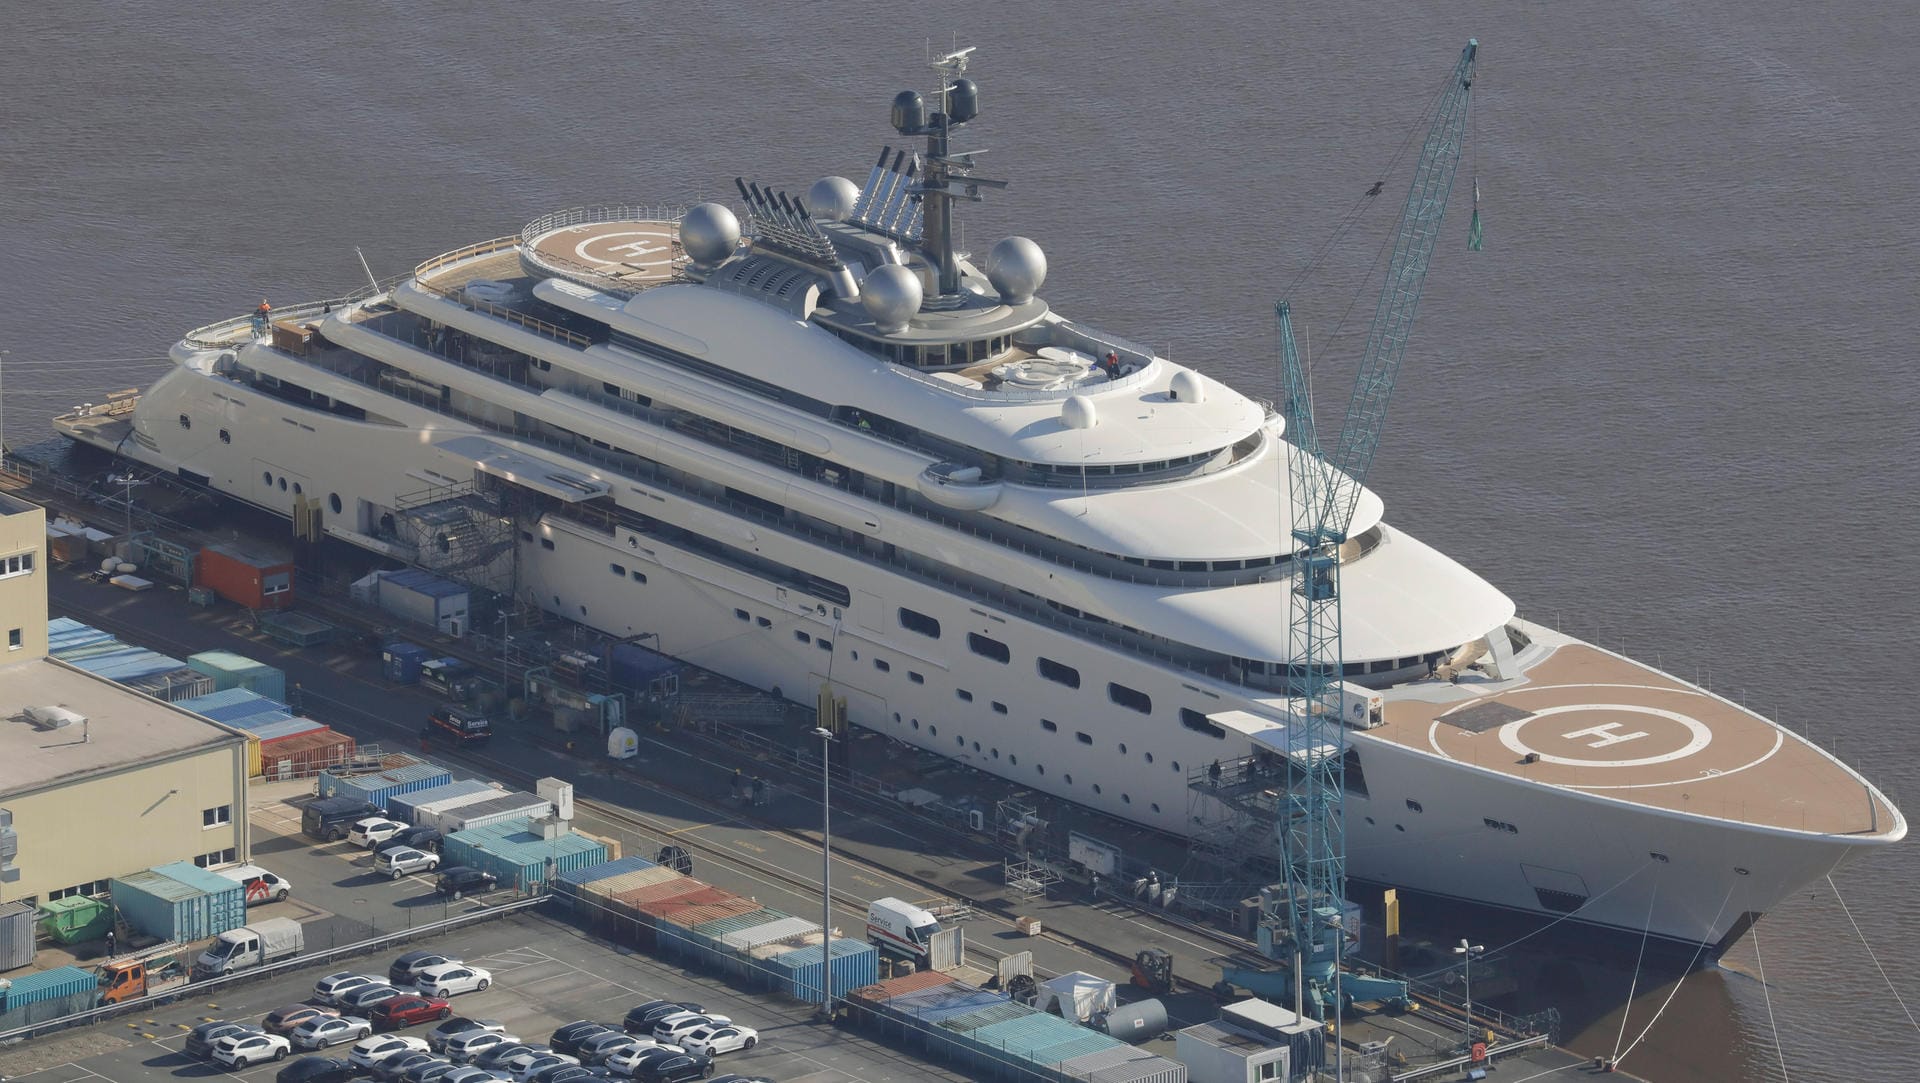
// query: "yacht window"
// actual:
[[1129, 698], [639, 576], [761, 621], [546, 543], [186, 422], [999, 708], [1083, 737], [883, 665], [333, 502], [227, 438], [802, 636], [740, 614], [965, 696], [617, 569], [1197, 722], [987, 647], [1059, 673], [1050, 727], [915, 677], [914, 621], [1415, 805], [824, 644]]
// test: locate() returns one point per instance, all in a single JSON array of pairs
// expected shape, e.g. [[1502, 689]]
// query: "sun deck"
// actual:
[[1585, 719]]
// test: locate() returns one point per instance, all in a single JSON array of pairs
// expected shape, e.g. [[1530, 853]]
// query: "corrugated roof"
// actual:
[[422, 583], [917, 982], [188, 873], [774, 931], [229, 662], [515, 841], [27, 987], [606, 870]]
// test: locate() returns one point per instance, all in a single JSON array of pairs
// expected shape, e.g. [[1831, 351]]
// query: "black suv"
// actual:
[[462, 879]]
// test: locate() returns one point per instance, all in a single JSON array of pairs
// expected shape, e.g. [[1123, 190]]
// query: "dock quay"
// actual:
[[905, 823]]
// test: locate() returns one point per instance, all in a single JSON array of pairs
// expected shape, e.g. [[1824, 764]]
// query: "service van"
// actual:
[[262, 886], [901, 928]]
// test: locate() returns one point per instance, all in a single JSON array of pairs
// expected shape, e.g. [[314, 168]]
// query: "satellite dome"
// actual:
[[1016, 267], [1079, 413], [892, 296], [709, 234], [1186, 387], [832, 198]]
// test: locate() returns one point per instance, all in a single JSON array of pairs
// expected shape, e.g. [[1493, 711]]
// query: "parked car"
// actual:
[[261, 885], [465, 1048], [363, 1000], [399, 862], [713, 1041], [457, 1025], [673, 1068], [467, 1073], [321, 1033], [596, 1048], [201, 1038], [407, 1011], [429, 1071], [566, 1038], [422, 838], [641, 1019], [407, 964], [237, 1051], [525, 1066], [450, 979], [330, 988], [316, 1070], [675, 1027], [375, 830], [735, 1077], [566, 1073], [373, 1051], [283, 1020], [396, 1067], [622, 1061], [463, 880]]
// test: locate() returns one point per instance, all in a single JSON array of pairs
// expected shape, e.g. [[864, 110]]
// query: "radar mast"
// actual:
[[947, 176]]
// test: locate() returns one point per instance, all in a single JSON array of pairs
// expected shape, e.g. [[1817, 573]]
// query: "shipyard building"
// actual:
[[96, 780]]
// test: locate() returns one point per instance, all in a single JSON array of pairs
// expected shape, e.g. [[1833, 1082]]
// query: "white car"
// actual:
[[336, 985], [450, 979], [244, 1050], [464, 1047], [623, 1059], [714, 1041], [680, 1024], [375, 830], [321, 1033], [398, 863], [367, 1053]]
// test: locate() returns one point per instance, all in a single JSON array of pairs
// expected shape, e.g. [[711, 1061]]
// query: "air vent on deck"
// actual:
[[53, 717]]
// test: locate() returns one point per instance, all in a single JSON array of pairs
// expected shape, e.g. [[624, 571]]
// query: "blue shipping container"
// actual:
[[47, 985], [375, 789], [401, 662], [516, 856], [797, 973]]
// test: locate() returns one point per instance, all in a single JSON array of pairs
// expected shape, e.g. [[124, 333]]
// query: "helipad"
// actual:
[[1589, 720], [625, 254]]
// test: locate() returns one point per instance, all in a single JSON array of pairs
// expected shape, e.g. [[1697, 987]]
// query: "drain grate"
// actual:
[[1486, 716]]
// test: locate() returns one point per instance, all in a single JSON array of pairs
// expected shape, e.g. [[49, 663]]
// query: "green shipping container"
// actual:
[[76, 918]]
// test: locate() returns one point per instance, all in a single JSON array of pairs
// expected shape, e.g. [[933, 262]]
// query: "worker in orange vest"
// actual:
[[260, 317]]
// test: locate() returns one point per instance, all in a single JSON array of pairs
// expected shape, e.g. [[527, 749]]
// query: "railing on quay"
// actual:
[[305, 959]]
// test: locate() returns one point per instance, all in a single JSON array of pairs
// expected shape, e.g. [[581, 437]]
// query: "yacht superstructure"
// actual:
[[827, 449]]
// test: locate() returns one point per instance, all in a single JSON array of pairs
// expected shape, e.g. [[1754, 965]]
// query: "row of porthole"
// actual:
[[1014, 760], [267, 479]]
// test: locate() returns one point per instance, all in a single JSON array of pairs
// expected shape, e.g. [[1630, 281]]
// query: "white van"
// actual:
[[262, 886]]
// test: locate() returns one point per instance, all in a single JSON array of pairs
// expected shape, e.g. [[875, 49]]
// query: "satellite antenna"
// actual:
[[941, 170]]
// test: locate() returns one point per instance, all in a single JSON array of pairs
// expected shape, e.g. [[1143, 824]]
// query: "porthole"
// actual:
[[296, 488], [333, 502], [960, 742], [855, 655], [1040, 767], [1155, 806], [226, 437], [266, 477], [1148, 755], [633, 543], [1125, 800], [1369, 821], [1399, 827], [933, 730], [996, 753], [283, 483], [1013, 758], [896, 716], [186, 422], [916, 723], [1067, 778], [1096, 787], [976, 746], [1123, 748], [1176, 767]]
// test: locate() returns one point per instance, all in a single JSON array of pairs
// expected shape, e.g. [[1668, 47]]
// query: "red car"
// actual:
[[407, 1011]]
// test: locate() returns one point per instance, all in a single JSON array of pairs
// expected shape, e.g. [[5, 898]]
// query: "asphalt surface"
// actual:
[[545, 974]]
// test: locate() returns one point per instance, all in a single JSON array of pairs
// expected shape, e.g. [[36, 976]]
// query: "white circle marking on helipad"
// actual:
[[1700, 735], [664, 250]]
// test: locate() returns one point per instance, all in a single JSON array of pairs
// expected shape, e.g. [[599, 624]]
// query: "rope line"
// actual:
[[1844, 908], [1569, 914], [1634, 985], [1754, 931], [1675, 991]]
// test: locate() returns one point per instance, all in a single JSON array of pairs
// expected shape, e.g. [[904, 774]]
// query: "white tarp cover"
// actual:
[[1078, 996]]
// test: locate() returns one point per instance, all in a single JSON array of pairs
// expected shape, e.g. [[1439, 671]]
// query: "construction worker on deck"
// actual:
[[261, 316]]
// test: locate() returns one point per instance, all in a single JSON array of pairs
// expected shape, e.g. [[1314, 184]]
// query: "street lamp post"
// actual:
[[1467, 952], [826, 875]]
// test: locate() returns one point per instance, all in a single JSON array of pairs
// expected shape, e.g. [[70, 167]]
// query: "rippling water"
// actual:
[[1672, 405]]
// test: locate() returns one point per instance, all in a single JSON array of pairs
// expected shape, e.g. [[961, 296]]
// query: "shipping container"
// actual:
[[179, 902], [401, 662], [376, 788], [17, 920], [518, 856], [1038, 1039], [76, 919], [230, 670], [797, 973], [772, 932], [1122, 1065], [952, 1002], [304, 754], [123, 663], [405, 807], [981, 1018], [423, 598], [266, 728], [173, 685], [606, 870], [46, 994], [252, 580], [512, 805], [225, 706], [888, 988]]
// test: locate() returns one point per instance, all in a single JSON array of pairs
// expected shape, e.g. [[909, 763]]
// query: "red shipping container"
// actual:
[[637, 897], [677, 913], [302, 755], [243, 578]]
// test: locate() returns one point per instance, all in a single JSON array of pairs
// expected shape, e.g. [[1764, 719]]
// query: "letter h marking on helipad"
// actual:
[[1605, 734]]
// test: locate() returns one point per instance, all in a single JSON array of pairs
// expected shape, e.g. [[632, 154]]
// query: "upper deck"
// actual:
[[1582, 718]]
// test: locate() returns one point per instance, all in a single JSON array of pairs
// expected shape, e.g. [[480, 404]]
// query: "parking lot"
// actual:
[[545, 973]]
